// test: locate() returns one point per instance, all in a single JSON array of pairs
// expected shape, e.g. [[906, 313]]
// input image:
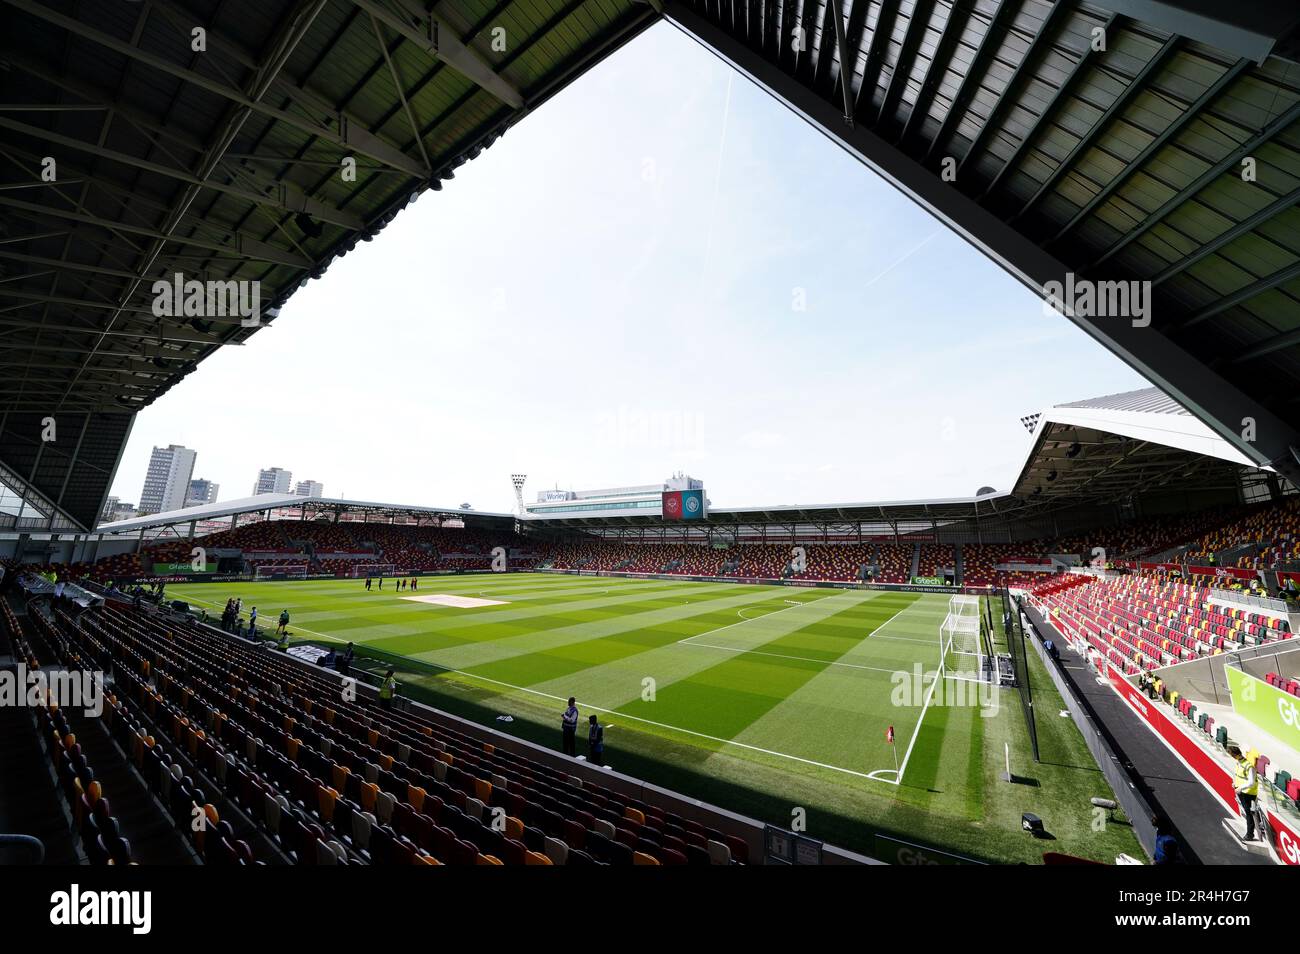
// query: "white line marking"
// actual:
[[870, 776], [719, 629], [919, 719], [661, 725], [824, 662]]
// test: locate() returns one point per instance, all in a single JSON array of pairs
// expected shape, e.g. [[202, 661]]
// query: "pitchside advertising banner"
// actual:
[[182, 569], [1268, 707], [684, 505]]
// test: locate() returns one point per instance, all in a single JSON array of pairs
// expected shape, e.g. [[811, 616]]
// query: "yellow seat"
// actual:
[[327, 797], [415, 796], [641, 858], [369, 793]]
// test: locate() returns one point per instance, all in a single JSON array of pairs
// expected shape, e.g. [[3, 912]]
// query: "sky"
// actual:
[[662, 269]]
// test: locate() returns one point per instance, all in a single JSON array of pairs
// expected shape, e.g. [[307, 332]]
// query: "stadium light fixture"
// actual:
[[518, 481]]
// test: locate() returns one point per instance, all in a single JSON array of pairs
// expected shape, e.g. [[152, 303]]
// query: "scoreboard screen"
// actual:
[[684, 505]]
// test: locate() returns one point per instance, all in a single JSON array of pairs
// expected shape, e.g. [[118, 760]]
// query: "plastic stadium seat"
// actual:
[[671, 856], [739, 848], [557, 851], [536, 858], [641, 858]]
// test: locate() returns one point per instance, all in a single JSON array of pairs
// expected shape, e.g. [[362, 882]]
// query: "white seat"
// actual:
[[719, 853], [325, 854], [557, 851], [271, 810], [384, 804], [361, 824]]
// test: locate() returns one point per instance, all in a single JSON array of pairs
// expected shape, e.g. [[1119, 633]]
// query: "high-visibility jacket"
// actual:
[[386, 690], [1247, 779]]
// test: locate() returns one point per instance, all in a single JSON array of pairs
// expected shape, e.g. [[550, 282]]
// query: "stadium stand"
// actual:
[[1141, 622], [284, 770]]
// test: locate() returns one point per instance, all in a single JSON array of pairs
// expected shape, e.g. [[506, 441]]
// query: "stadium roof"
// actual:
[[309, 507], [1114, 161], [1058, 156], [1124, 444], [1089, 453], [223, 164]]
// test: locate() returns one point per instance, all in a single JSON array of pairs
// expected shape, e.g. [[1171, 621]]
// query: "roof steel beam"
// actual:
[[1240, 296], [906, 56], [1248, 224], [1192, 112], [846, 65], [1233, 158], [885, 20], [434, 35], [284, 196], [1063, 92], [957, 17], [1272, 345], [970, 80], [293, 28], [242, 246], [1020, 74], [1118, 105], [340, 130]]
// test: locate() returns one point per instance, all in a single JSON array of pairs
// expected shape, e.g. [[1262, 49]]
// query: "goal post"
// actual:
[[962, 639], [294, 571], [360, 570]]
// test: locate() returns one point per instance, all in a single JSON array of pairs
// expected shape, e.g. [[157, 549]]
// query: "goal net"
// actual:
[[294, 571], [964, 652], [376, 570]]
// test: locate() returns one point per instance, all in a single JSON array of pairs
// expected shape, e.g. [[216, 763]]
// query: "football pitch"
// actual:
[[770, 700]]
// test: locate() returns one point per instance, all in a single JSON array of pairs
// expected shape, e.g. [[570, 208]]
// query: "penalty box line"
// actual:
[[823, 662]]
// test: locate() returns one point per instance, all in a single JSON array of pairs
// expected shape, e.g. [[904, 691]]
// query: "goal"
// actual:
[[374, 569], [294, 571], [959, 636]]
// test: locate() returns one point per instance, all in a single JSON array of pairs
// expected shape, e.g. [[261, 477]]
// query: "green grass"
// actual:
[[765, 700]]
